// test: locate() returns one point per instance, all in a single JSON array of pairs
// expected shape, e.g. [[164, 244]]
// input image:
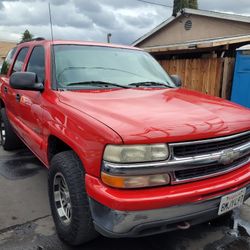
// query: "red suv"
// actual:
[[129, 152]]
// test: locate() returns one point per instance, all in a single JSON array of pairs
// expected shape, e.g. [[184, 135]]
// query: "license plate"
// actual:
[[231, 201]]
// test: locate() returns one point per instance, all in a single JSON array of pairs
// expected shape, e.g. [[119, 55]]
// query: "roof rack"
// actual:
[[33, 39]]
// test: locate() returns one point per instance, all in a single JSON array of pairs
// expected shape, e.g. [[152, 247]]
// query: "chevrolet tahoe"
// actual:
[[129, 151]]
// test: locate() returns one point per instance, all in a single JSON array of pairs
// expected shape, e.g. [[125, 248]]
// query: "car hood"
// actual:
[[141, 115]]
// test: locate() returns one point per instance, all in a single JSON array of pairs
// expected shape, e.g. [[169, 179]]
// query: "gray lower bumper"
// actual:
[[117, 224]]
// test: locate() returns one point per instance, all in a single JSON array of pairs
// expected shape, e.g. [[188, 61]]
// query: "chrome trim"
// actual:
[[182, 163], [228, 137]]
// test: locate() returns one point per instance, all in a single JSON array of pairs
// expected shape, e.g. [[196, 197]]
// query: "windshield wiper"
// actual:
[[96, 83], [149, 84]]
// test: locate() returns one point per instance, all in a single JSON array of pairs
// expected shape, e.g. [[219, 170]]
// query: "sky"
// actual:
[[92, 20]]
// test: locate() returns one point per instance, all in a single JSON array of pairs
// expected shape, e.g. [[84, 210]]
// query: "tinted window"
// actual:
[[8, 61], [20, 60], [37, 63]]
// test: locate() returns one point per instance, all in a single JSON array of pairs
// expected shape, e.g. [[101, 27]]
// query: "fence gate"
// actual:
[[212, 76]]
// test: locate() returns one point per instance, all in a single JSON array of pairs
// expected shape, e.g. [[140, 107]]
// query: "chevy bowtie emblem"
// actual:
[[228, 156]]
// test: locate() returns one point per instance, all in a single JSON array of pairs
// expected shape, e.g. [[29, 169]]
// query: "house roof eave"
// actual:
[[214, 14], [202, 44]]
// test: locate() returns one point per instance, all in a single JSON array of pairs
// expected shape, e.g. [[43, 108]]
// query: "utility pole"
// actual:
[[109, 37]]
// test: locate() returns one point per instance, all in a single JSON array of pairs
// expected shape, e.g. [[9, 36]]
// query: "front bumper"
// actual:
[[166, 196], [117, 224]]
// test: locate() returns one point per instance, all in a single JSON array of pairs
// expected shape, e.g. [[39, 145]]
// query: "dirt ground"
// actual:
[[25, 221]]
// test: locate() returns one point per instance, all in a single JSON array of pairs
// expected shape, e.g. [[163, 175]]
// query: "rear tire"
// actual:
[[68, 199], [9, 139]]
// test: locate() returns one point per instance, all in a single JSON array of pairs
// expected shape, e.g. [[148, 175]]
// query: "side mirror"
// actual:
[[25, 81], [177, 80]]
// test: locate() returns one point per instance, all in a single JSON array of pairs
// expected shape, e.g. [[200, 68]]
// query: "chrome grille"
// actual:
[[208, 170], [215, 157], [210, 146]]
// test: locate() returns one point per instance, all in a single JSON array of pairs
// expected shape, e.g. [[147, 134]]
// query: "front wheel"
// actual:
[[68, 199]]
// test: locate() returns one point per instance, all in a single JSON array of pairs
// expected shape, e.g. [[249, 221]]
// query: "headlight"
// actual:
[[136, 153]]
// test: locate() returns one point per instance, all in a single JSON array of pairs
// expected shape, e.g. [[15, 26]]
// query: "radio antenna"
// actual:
[[52, 49], [51, 27]]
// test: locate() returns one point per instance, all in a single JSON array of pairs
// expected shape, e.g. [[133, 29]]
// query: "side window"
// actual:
[[36, 63], [20, 60], [8, 61]]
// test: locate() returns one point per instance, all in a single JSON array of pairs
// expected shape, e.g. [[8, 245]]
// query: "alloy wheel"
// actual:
[[62, 198]]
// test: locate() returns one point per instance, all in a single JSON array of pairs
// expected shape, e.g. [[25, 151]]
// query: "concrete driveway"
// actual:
[[25, 221]]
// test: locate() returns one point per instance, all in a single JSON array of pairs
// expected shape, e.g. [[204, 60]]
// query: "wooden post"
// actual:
[[227, 77]]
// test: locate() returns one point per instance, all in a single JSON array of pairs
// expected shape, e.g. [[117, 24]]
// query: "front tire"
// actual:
[[9, 139], [69, 200]]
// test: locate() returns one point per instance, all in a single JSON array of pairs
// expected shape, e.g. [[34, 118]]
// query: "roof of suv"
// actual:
[[72, 42]]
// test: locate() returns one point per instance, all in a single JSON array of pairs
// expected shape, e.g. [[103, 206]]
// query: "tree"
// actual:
[[26, 36], [181, 4], [193, 4]]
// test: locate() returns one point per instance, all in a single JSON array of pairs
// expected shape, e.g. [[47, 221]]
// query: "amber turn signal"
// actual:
[[135, 181]]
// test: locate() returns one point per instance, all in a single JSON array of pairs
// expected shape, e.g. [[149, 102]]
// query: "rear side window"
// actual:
[[36, 63], [8, 61], [20, 60]]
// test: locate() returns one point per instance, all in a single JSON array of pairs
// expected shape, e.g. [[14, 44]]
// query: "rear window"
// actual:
[[7, 62], [20, 60]]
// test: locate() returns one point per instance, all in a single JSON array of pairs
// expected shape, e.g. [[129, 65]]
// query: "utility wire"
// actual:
[[159, 4]]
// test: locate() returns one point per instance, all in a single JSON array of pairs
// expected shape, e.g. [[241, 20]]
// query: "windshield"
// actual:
[[79, 66]]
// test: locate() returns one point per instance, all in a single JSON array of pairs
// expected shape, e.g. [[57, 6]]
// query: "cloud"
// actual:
[[238, 7], [93, 20], [80, 19]]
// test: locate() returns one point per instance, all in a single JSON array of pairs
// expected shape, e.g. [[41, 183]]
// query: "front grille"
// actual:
[[196, 160], [208, 170], [210, 147]]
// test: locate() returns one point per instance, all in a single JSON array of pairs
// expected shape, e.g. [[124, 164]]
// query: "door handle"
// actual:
[[18, 97], [5, 89]]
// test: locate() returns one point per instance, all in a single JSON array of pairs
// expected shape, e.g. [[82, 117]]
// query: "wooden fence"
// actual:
[[212, 76]]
